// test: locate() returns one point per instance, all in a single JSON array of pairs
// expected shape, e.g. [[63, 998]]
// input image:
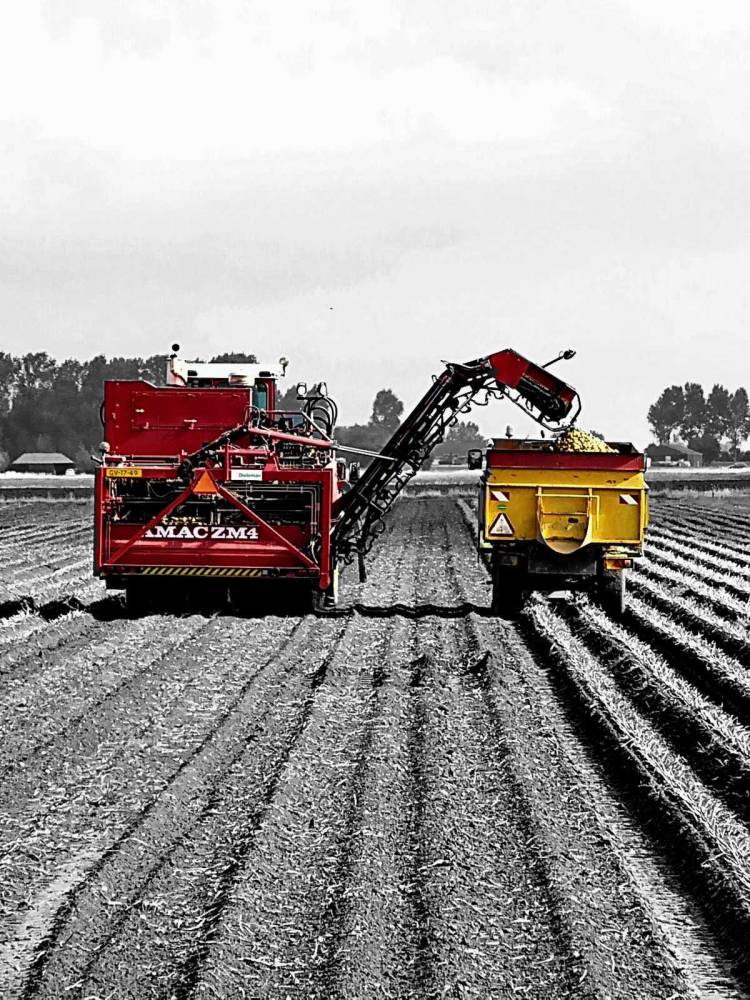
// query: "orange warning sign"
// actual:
[[205, 484]]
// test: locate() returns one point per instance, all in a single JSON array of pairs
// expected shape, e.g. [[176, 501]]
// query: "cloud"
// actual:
[[228, 172]]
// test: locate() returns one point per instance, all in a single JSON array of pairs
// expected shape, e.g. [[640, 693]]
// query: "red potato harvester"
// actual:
[[204, 479]]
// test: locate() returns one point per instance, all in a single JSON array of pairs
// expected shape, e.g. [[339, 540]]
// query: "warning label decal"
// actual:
[[501, 525]]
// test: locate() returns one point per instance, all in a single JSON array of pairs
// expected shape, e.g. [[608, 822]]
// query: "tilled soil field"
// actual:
[[407, 798]]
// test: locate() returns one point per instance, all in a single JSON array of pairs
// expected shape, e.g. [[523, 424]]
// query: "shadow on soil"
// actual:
[[412, 611], [105, 609], [112, 607]]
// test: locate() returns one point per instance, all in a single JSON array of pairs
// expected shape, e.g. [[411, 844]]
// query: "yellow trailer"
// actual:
[[552, 520]]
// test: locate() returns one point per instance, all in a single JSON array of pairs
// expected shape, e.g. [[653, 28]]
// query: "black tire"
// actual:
[[509, 592], [613, 592], [139, 596], [326, 600]]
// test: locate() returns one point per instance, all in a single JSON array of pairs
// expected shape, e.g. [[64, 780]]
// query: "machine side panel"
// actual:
[[278, 523], [145, 420], [606, 508]]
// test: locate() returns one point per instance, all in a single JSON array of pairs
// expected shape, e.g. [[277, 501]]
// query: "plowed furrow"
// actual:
[[708, 569], [492, 922], [711, 553], [171, 874], [31, 638], [275, 933], [118, 759], [729, 636], [20, 635], [378, 923], [22, 554], [41, 575], [715, 673], [735, 541], [290, 889], [727, 524], [717, 844], [719, 599], [98, 678], [639, 932], [716, 745], [28, 522]]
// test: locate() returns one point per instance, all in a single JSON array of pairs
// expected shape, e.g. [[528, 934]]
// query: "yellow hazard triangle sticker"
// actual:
[[501, 525]]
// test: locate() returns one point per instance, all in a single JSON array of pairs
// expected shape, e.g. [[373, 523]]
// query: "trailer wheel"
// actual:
[[613, 592], [508, 591]]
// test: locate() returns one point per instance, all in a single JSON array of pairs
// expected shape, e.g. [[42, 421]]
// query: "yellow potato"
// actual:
[[575, 440]]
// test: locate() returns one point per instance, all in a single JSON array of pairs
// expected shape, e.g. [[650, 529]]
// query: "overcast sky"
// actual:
[[367, 188]]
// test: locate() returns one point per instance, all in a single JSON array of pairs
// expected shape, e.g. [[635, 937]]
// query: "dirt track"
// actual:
[[408, 799]]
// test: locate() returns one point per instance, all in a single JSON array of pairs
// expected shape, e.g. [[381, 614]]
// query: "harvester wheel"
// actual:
[[325, 600], [508, 591], [138, 598], [613, 592]]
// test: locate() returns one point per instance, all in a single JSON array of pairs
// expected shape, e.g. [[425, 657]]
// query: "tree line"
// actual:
[[709, 423], [53, 406], [47, 405], [387, 410]]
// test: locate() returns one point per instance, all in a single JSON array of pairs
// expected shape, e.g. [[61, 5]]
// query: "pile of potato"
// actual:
[[578, 440]]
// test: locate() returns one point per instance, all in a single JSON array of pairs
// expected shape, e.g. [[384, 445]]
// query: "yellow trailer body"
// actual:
[[555, 519], [565, 509]]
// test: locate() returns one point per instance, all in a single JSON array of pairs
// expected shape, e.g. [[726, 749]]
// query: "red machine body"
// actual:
[[179, 496], [206, 478]]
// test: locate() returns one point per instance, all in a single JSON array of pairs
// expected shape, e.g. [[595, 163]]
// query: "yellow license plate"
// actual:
[[123, 473]]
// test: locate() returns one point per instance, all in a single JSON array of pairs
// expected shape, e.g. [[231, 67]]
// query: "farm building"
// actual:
[[41, 461], [669, 454]]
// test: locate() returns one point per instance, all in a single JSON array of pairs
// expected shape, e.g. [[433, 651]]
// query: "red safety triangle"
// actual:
[[205, 484]]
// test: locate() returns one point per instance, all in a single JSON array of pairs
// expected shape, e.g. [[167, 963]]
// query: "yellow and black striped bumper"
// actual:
[[233, 571]]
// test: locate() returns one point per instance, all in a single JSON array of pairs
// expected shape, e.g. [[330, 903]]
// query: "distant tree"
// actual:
[[598, 434], [718, 412], [667, 413], [694, 416], [153, 369], [739, 420], [386, 411], [9, 372], [707, 445], [47, 405], [43, 442], [288, 400], [236, 358], [37, 371], [361, 436], [83, 460], [460, 438]]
